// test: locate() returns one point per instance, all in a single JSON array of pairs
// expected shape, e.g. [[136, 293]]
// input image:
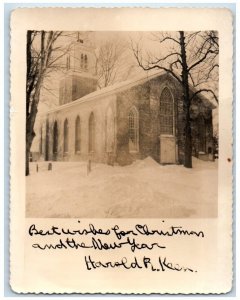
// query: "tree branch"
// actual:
[[207, 91], [165, 58], [200, 60]]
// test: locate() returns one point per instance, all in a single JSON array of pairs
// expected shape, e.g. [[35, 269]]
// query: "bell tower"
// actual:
[[80, 78]]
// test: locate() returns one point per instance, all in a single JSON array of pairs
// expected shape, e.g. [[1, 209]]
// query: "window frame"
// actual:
[[41, 141], [91, 133], [77, 135], [82, 61], [164, 115], [135, 114], [55, 137], [85, 62], [65, 136]]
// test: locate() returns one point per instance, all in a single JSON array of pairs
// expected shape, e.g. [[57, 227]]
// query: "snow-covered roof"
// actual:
[[122, 86]]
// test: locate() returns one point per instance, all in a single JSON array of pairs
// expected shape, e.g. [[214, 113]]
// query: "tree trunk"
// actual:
[[28, 147], [30, 134], [186, 106], [27, 154], [32, 99]]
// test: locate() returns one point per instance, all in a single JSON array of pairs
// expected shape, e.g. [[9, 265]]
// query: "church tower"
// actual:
[[80, 78]]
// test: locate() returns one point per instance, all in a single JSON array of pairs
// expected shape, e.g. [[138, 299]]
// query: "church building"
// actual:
[[118, 124]]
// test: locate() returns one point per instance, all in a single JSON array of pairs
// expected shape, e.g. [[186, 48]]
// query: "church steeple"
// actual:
[[80, 78]]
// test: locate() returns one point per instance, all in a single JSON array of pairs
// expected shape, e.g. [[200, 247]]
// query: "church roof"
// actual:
[[124, 85]]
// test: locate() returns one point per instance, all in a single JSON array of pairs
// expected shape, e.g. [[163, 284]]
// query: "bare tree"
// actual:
[[108, 61], [192, 59], [43, 57]]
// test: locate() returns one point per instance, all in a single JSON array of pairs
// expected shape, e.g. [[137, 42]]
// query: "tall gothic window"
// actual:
[[77, 134], [81, 61], [166, 112], [47, 141], [55, 138], [85, 61], [65, 136], [133, 126], [91, 132]]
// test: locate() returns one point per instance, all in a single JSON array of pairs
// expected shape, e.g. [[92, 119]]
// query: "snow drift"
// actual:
[[144, 189]]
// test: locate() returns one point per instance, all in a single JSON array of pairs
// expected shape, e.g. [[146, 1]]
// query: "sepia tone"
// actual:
[[140, 118]]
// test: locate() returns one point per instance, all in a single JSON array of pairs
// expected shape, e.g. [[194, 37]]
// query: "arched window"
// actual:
[[166, 112], [85, 61], [77, 134], [47, 141], [65, 136], [109, 131], [41, 141], [91, 137], [81, 61], [55, 138], [133, 126]]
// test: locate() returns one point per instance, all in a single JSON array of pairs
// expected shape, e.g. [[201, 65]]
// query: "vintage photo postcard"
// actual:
[[121, 151]]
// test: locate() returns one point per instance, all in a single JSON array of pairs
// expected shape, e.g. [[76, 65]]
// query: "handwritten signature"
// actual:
[[162, 264]]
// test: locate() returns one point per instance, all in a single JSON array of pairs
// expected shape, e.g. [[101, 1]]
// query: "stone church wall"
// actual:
[[145, 98], [139, 97]]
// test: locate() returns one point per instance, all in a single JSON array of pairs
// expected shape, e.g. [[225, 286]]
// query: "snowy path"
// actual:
[[144, 189]]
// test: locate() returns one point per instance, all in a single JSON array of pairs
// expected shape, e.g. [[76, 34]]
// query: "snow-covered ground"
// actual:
[[144, 189]]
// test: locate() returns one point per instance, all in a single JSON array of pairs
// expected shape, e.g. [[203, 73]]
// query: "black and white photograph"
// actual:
[[122, 124]]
